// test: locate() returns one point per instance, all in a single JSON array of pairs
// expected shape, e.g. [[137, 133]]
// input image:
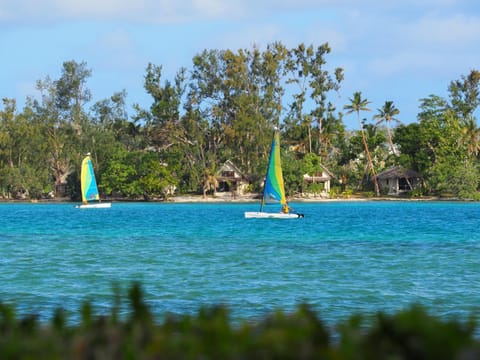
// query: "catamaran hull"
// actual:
[[265, 215], [94, 206]]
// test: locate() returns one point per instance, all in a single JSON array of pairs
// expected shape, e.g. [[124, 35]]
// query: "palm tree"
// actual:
[[470, 136], [328, 128], [358, 104], [387, 113], [210, 182]]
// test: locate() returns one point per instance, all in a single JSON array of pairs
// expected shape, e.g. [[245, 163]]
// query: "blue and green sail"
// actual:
[[88, 182], [274, 190]]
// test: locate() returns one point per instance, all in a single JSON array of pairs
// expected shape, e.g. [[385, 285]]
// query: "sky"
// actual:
[[390, 50]]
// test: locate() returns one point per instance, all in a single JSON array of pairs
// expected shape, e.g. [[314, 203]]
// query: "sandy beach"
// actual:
[[227, 197], [218, 197], [246, 198]]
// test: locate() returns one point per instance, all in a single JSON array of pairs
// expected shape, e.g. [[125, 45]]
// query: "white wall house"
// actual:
[[323, 176], [231, 179]]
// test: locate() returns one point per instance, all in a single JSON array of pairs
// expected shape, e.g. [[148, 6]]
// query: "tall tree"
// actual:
[[23, 153], [7, 135], [387, 114], [356, 105], [58, 132], [111, 115], [331, 134], [305, 68], [162, 121], [239, 94], [206, 94], [465, 94], [413, 152], [470, 136], [441, 137], [465, 99], [321, 84], [72, 93], [298, 69]]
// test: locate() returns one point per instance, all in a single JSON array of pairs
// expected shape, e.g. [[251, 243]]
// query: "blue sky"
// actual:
[[400, 50]]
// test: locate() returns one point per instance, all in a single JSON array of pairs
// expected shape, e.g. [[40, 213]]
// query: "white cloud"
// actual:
[[115, 49], [246, 37], [140, 11], [172, 11], [320, 33], [400, 62], [451, 31], [144, 11], [423, 44], [376, 41]]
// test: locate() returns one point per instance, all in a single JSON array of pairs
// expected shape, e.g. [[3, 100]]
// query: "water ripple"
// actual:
[[342, 258]]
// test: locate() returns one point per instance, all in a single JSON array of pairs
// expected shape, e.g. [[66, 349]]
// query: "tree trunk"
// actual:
[[389, 135], [370, 162]]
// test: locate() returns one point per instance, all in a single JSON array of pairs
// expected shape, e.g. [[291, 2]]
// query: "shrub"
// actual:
[[210, 334]]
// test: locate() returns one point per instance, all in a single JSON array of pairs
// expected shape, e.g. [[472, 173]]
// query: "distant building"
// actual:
[[231, 179], [398, 180], [323, 176]]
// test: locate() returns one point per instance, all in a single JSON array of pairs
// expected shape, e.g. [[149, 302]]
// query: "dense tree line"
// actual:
[[225, 107]]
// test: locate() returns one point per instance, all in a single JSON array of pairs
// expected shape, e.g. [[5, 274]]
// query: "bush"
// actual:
[[415, 193], [410, 334]]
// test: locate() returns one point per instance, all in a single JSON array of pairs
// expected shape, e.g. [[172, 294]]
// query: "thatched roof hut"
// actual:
[[398, 180]]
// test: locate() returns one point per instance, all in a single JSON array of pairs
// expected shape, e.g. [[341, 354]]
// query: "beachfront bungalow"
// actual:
[[323, 177], [397, 180], [231, 179]]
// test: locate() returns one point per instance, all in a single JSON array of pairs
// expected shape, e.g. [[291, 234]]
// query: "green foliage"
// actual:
[[335, 191], [135, 174], [225, 107], [368, 194], [315, 188], [118, 176], [411, 333], [24, 182], [464, 94], [311, 164], [413, 147], [416, 193], [460, 180], [292, 173]]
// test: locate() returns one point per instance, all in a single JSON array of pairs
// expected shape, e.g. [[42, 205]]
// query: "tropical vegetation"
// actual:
[[225, 107], [131, 331]]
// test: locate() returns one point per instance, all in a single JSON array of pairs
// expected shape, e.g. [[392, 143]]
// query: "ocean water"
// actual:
[[343, 258]]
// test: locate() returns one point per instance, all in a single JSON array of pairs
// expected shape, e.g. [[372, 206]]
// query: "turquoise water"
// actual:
[[343, 258]]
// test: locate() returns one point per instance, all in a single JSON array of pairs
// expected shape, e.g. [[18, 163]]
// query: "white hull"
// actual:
[[95, 206], [265, 215]]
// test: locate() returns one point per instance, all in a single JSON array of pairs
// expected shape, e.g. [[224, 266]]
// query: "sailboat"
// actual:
[[274, 189], [89, 186]]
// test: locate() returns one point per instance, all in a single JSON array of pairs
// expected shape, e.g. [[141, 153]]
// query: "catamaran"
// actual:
[[274, 189], [89, 187]]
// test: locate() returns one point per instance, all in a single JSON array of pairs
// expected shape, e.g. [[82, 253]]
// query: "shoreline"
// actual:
[[254, 198], [249, 198]]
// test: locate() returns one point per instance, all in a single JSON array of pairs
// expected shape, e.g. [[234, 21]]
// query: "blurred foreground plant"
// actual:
[[210, 334]]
